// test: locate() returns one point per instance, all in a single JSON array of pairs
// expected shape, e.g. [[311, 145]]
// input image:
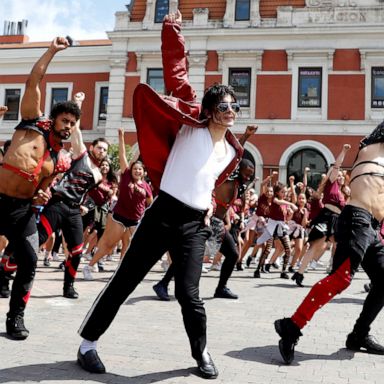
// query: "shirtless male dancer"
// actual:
[[29, 163], [358, 242]]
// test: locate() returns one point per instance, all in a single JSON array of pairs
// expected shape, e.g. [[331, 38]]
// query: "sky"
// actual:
[[80, 19]]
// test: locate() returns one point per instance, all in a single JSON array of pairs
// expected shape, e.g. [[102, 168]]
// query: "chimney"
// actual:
[[14, 32]]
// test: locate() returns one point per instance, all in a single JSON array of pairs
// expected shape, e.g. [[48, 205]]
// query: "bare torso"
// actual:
[[367, 191], [26, 149], [224, 194]]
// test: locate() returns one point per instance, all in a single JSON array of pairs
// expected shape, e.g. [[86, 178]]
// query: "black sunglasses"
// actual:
[[224, 107]]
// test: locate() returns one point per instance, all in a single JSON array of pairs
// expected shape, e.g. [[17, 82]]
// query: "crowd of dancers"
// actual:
[[190, 198]]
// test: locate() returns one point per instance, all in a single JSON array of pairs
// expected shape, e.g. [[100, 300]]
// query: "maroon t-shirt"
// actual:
[[333, 194], [314, 207], [277, 212], [263, 206], [131, 201]]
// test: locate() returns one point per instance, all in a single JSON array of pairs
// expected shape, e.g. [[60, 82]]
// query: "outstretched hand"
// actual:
[[3, 109], [174, 17]]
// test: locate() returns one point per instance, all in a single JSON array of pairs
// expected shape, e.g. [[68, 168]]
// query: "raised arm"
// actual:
[[174, 59], [77, 142], [30, 103], [249, 131], [122, 155], [334, 170], [292, 188]]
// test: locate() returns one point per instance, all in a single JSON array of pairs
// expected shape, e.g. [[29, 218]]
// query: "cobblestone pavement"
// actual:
[[147, 342]]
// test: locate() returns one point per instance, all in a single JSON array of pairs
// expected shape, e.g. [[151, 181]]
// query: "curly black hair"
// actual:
[[65, 107]]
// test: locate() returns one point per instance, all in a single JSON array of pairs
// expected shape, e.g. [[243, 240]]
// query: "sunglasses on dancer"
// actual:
[[225, 106]]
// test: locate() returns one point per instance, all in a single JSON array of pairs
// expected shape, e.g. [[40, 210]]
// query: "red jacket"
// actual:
[[159, 118]]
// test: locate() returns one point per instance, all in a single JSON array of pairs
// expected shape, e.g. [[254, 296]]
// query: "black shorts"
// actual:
[[323, 225], [124, 221]]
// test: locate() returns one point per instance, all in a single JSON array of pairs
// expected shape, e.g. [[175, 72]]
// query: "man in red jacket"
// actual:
[[187, 149]]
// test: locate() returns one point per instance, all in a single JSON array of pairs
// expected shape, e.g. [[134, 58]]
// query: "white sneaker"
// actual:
[[87, 272], [88, 256], [164, 265], [109, 258], [55, 256], [216, 267], [313, 264], [204, 270]]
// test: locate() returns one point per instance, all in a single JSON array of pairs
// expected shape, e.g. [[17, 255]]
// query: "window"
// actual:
[[103, 102], [307, 158], [242, 11], [377, 92], [155, 79], [309, 87], [162, 8], [12, 101], [240, 80], [58, 96]]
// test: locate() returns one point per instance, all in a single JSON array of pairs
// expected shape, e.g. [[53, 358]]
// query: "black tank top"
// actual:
[[76, 182]]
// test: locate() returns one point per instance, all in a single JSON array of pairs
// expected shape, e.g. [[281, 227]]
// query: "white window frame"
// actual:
[[369, 59], [230, 12], [309, 59], [252, 60], [48, 94], [10, 124], [96, 123]]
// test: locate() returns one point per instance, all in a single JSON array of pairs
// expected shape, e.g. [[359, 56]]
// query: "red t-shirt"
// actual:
[[131, 201], [333, 194], [263, 206]]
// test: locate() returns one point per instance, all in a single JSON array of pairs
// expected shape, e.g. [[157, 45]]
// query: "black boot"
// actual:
[[16, 328], [249, 261], [367, 343], [289, 333], [239, 266], [298, 278], [267, 268], [256, 274], [69, 292]]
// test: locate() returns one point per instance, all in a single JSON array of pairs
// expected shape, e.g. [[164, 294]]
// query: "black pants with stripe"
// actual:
[[167, 225]]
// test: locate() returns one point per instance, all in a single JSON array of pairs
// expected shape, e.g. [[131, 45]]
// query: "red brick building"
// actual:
[[309, 73]]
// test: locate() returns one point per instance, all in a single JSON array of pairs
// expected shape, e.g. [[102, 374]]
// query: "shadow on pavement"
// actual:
[[347, 300], [269, 354], [69, 370]]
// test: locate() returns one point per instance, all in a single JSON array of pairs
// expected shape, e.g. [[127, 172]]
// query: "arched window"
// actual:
[[162, 9], [307, 158], [242, 11]]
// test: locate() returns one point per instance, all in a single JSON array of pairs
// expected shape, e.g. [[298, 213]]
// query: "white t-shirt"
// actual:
[[193, 167]]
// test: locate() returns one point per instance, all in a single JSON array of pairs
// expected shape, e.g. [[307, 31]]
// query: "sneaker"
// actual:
[[16, 328], [87, 272], [289, 333], [70, 292], [109, 258], [55, 256], [204, 269], [291, 269], [368, 343], [62, 266], [46, 262], [275, 265], [367, 287], [225, 293], [100, 266], [88, 257], [4, 285], [267, 268], [164, 265], [161, 291], [256, 274], [313, 264], [216, 267]]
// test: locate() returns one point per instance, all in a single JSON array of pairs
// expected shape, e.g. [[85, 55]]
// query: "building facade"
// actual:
[[309, 73]]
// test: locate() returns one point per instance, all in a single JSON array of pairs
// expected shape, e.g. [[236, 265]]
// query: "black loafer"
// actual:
[[207, 368], [368, 344], [90, 361]]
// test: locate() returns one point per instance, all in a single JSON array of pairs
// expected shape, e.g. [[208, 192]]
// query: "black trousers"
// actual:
[[167, 225], [18, 224]]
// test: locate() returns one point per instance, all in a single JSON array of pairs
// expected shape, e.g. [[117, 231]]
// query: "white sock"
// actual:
[[205, 354], [87, 345]]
